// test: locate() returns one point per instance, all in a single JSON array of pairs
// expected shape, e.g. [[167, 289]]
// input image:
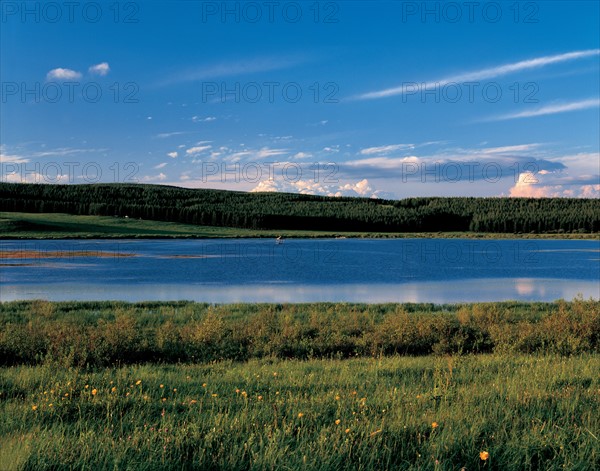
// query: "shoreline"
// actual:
[[55, 226], [340, 236]]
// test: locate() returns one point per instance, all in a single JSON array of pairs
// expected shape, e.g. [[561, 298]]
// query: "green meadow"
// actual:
[[415, 413], [187, 386], [16, 225]]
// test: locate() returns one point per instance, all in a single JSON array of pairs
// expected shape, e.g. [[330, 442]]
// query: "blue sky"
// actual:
[[376, 99]]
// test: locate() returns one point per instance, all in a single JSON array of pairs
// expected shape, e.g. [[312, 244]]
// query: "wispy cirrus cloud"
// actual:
[[12, 159], [550, 109], [483, 74], [230, 69], [197, 149], [63, 151], [386, 149], [207, 119], [165, 135], [511, 149]]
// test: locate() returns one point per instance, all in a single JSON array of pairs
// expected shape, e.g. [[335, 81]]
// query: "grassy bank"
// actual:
[[14, 225], [408, 413], [115, 333], [188, 386]]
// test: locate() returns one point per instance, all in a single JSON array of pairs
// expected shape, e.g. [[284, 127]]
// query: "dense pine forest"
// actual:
[[308, 212]]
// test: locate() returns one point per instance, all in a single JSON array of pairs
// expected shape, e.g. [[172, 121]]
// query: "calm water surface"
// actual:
[[259, 270]]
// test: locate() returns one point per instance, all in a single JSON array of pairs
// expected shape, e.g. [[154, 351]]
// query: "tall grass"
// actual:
[[408, 413], [188, 386], [114, 333]]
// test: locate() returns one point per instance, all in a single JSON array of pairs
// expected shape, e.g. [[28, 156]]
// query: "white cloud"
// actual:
[[197, 150], [551, 109], [510, 149], [173, 155], [302, 155], [12, 159], [207, 119], [164, 135], [63, 151], [386, 149], [185, 176], [267, 152], [230, 69], [154, 178], [161, 165], [361, 188], [590, 191], [482, 74], [33, 177], [63, 74], [385, 163], [101, 69], [546, 185]]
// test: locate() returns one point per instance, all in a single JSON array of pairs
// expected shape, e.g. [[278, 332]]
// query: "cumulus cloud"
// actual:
[[161, 165], [63, 74], [361, 188], [33, 177], [101, 69], [173, 155], [546, 185], [154, 178]]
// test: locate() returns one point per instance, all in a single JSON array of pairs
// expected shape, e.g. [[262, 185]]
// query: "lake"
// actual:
[[300, 270]]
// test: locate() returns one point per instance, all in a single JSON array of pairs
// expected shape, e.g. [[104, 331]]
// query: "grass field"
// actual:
[[65, 226], [424, 413], [187, 386]]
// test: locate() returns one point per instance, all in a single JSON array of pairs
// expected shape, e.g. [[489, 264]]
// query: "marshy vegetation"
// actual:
[[117, 333]]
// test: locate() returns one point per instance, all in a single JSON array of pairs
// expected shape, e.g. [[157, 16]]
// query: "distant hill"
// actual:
[[280, 211]]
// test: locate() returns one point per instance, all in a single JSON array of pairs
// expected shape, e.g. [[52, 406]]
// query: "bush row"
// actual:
[[103, 334]]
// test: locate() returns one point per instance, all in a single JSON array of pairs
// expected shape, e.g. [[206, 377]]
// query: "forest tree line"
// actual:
[[306, 212]]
